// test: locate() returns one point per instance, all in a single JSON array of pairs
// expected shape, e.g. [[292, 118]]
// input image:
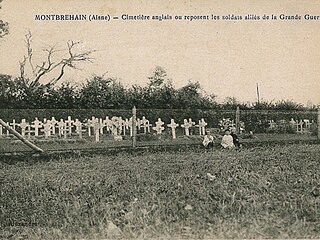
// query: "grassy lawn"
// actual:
[[261, 192], [13, 145]]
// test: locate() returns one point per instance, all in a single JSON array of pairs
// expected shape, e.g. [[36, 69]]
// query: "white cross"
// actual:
[[158, 128], [62, 128], [36, 125], [130, 126], [47, 129], [186, 125], [121, 125], [173, 126], [102, 125], [96, 128], [107, 123], [146, 124], [53, 122], [14, 124], [78, 125], [138, 122], [69, 124], [202, 127]]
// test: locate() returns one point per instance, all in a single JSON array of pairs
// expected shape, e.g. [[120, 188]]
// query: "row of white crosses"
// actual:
[[116, 126], [301, 125], [187, 125], [94, 126]]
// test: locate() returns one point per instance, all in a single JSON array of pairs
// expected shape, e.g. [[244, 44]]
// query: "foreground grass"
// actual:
[[256, 193]]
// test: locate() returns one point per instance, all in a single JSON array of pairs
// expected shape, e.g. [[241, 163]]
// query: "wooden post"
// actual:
[[134, 127], [238, 120], [19, 136], [318, 123]]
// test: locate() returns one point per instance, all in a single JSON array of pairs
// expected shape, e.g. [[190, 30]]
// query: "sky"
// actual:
[[227, 57]]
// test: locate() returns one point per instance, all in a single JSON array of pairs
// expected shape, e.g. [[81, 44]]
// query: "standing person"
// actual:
[[208, 140], [236, 141], [227, 140]]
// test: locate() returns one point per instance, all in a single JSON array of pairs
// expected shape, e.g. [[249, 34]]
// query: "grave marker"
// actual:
[[158, 128], [69, 122], [47, 129], [54, 123], [202, 127], [145, 124], [78, 125], [62, 128], [14, 124], [36, 126], [96, 129], [173, 127], [186, 125]]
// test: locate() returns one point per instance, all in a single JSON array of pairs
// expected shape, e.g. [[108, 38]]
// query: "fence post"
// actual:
[[318, 123], [238, 120], [134, 127]]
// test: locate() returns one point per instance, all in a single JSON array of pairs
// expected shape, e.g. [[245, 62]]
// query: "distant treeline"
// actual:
[[100, 92]]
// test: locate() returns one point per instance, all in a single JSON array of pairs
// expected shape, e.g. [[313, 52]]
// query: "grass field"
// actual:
[[12, 145], [261, 192]]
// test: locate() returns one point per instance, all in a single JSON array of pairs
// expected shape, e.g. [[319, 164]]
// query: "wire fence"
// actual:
[[62, 129]]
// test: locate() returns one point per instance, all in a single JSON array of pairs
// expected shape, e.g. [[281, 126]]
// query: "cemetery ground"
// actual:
[[265, 191], [12, 146]]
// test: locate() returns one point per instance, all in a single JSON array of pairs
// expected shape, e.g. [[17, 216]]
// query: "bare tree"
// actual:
[[50, 64]]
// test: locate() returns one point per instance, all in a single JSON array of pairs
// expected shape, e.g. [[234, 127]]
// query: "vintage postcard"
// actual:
[[194, 119]]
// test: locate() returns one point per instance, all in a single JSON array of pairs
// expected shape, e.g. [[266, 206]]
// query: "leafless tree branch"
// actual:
[[48, 65]]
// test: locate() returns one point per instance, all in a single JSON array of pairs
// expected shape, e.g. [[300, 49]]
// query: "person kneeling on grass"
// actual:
[[227, 140], [208, 140]]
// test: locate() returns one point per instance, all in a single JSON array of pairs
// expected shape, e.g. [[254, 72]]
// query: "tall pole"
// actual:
[[318, 123], [238, 120], [134, 127], [258, 93]]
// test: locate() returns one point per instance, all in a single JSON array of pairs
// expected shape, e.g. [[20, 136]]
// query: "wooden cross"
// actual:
[[138, 123], [78, 125], [125, 126], [130, 126], [62, 128], [96, 128], [36, 125], [145, 124], [121, 125], [186, 125], [102, 125], [107, 123], [299, 126], [53, 122], [69, 124], [293, 122], [29, 131], [14, 124], [272, 124], [173, 127], [158, 128], [307, 123], [47, 129], [202, 127]]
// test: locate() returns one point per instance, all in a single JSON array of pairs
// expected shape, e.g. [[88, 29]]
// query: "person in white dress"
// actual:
[[208, 140], [227, 140]]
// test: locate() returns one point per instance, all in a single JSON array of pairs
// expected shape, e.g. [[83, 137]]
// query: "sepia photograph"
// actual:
[[136, 119]]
